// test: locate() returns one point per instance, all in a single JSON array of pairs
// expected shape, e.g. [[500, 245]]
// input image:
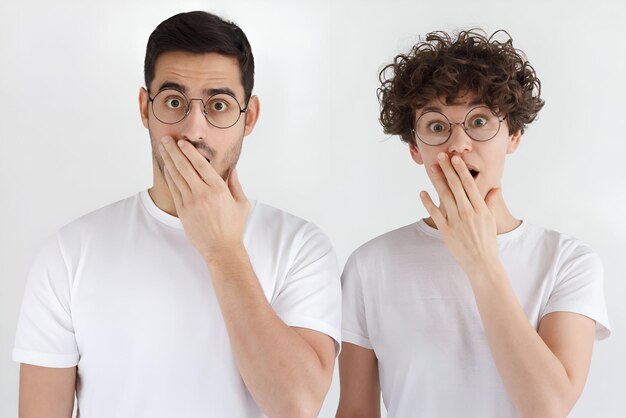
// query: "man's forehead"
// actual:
[[197, 73], [207, 91]]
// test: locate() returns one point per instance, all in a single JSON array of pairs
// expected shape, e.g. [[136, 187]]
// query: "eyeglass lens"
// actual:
[[434, 128], [171, 106]]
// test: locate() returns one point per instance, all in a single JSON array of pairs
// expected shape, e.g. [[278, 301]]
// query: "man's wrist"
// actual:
[[226, 255]]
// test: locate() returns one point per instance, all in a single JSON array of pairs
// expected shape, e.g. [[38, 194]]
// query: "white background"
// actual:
[[71, 139]]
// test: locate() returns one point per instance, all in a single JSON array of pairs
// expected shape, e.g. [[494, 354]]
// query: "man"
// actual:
[[471, 312], [186, 300]]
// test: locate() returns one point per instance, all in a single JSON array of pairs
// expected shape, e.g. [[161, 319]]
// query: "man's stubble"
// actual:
[[231, 158]]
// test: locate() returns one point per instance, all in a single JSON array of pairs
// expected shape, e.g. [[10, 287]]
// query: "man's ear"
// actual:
[[514, 141], [415, 154], [143, 106], [252, 114]]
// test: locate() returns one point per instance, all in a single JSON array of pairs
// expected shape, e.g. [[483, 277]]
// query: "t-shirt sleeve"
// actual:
[[579, 288], [354, 325], [45, 332], [310, 296]]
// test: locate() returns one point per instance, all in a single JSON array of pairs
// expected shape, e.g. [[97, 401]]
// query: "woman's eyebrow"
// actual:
[[431, 109]]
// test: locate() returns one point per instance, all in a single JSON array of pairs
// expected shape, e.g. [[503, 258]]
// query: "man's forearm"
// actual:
[[281, 370], [535, 378]]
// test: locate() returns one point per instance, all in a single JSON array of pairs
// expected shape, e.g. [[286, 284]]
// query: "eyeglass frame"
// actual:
[[453, 124], [204, 104]]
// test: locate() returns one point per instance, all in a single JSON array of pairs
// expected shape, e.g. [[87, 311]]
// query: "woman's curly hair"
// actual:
[[446, 67]]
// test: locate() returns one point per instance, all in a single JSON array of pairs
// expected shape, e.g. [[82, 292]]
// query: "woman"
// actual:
[[471, 312]]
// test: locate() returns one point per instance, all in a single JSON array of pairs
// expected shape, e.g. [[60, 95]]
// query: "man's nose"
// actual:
[[459, 140], [195, 125]]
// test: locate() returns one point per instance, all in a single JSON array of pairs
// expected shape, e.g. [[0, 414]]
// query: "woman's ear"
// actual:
[[415, 154], [514, 141]]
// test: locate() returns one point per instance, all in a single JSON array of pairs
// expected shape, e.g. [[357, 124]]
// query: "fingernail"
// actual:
[[441, 156], [165, 139], [433, 168], [181, 143], [456, 160]]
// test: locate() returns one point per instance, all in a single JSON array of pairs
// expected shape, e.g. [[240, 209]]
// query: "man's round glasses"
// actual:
[[480, 124], [221, 110]]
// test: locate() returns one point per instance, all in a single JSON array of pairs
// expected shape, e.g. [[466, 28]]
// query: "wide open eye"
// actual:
[[174, 102], [218, 106], [436, 127], [478, 122]]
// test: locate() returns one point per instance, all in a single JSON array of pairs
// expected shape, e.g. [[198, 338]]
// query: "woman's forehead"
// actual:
[[459, 105]]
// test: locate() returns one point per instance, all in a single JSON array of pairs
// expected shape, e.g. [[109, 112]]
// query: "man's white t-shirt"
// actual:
[[405, 297], [122, 294]]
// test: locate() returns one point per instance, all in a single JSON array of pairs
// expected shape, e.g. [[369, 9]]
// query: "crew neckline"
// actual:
[[171, 220], [157, 213], [504, 237]]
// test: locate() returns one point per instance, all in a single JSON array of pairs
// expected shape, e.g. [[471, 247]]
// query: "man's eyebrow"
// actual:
[[207, 92], [172, 85], [219, 90]]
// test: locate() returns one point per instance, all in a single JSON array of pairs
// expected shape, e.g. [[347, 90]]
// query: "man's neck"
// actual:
[[160, 193]]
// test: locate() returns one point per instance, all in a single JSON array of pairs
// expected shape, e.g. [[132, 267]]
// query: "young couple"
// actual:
[[190, 300]]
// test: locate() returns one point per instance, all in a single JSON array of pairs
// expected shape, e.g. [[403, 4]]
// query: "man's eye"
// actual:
[[218, 106], [174, 103]]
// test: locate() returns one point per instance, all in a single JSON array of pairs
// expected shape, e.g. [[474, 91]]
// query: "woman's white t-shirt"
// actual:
[[405, 297]]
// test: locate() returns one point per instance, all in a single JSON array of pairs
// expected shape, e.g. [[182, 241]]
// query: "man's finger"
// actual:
[[182, 164], [176, 196], [177, 178], [200, 164], [235, 186]]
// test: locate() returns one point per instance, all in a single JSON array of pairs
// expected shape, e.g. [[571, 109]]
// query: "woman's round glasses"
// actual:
[[221, 110], [480, 124]]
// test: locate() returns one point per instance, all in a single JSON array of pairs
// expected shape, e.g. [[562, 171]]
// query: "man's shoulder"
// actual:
[[265, 214], [71, 239], [268, 221], [104, 217]]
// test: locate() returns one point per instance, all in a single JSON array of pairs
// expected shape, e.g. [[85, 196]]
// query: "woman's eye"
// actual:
[[479, 122], [436, 127]]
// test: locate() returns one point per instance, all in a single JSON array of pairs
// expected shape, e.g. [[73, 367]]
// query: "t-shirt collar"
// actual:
[[507, 236], [157, 213], [170, 220]]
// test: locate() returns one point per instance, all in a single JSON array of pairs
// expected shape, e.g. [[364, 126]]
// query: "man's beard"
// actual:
[[230, 158]]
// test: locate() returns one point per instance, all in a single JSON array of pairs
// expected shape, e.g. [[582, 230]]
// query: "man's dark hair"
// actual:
[[448, 67], [201, 32]]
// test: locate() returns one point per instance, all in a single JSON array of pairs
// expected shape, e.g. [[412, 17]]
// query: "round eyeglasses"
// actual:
[[480, 124], [221, 110]]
